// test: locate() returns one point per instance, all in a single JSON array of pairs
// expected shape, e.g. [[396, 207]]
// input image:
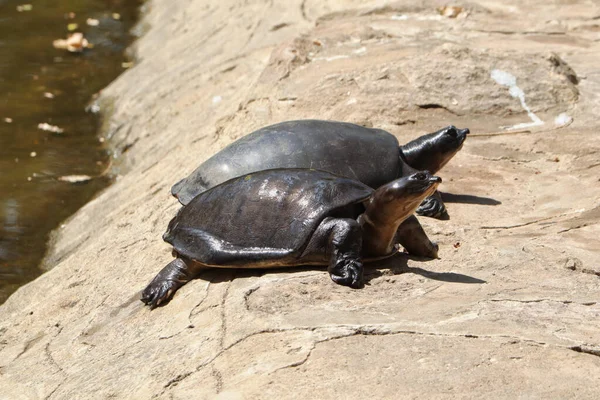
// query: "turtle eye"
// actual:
[[452, 131], [420, 176]]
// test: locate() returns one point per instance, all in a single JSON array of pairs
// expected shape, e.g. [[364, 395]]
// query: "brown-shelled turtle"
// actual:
[[371, 156], [288, 217]]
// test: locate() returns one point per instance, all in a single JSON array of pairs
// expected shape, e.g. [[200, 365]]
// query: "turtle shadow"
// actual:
[[398, 264], [469, 199]]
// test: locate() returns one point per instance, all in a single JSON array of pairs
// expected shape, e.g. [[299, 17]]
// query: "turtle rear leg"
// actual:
[[341, 240], [164, 285], [433, 206], [413, 238]]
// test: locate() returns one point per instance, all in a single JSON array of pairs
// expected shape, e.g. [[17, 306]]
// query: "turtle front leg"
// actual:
[[433, 206], [343, 241], [413, 238], [164, 285]]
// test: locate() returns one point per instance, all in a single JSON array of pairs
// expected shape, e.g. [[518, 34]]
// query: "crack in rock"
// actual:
[[531, 222], [51, 358], [303, 10], [55, 389], [587, 303], [595, 351], [350, 331], [218, 378], [224, 317]]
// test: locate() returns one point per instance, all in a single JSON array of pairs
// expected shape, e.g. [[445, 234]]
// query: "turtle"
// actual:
[[285, 218], [372, 156]]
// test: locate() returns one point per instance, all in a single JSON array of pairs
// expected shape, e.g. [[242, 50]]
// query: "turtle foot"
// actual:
[[348, 273], [435, 250], [159, 292], [430, 251], [432, 207]]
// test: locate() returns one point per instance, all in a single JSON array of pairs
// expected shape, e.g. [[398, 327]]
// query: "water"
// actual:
[[41, 84]]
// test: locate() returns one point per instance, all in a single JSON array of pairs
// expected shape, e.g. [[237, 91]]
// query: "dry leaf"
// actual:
[[450, 11]]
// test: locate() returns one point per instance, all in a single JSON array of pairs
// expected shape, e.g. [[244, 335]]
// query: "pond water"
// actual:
[[46, 175]]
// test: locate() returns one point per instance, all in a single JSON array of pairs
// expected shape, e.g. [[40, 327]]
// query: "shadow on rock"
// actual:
[[399, 265], [469, 199], [396, 265]]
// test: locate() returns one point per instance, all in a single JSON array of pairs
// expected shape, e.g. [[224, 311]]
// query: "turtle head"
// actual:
[[432, 151], [400, 198], [389, 206]]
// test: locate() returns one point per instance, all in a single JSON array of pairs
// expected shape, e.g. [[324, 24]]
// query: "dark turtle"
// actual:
[[288, 217], [371, 156]]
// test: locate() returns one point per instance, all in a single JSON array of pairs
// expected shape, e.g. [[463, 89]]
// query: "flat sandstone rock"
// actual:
[[509, 310]]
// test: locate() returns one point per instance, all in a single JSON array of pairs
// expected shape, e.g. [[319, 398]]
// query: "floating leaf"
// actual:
[[75, 178], [71, 27], [75, 43], [24, 7], [92, 22], [50, 128]]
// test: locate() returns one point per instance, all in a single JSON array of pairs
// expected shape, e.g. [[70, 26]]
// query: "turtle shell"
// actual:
[[264, 217], [368, 155]]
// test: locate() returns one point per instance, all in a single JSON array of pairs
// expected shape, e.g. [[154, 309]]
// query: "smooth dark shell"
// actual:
[[368, 155], [269, 214]]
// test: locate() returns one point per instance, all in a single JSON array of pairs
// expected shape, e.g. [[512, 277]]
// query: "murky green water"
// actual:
[[41, 84]]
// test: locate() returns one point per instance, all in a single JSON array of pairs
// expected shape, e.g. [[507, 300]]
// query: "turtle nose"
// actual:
[[464, 132], [435, 179]]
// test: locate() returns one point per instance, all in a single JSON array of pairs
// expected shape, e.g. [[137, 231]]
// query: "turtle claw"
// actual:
[[159, 292], [348, 273], [432, 207]]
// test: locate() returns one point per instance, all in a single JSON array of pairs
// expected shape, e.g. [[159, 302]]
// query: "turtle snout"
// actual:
[[461, 136], [435, 179]]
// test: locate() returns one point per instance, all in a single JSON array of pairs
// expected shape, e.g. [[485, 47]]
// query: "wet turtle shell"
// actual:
[[268, 214]]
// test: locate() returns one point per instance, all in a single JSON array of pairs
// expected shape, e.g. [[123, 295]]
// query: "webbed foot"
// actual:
[[164, 285], [159, 292], [433, 207], [348, 272]]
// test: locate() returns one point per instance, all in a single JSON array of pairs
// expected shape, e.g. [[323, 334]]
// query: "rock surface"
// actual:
[[509, 311]]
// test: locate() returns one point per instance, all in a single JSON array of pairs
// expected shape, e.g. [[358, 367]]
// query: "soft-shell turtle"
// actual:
[[288, 217], [371, 156]]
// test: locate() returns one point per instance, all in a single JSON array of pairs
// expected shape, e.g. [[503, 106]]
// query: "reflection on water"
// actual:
[[40, 84]]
